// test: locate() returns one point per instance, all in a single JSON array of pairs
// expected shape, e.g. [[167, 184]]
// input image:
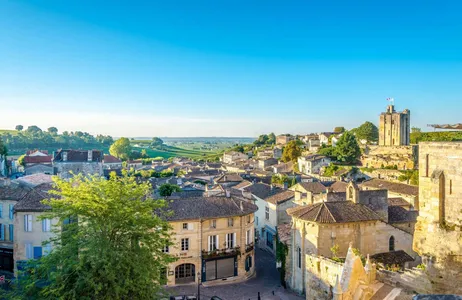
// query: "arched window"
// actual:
[[299, 258], [391, 244]]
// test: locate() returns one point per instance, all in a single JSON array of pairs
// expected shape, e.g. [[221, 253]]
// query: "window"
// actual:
[[213, 223], [11, 230], [11, 211], [269, 240], [1, 210], [38, 252], [184, 244], [299, 258], [248, 263], [165, 249], [248, 237], [29, 250], [185, 226], [426, 165], [230, 240], [2, 232], [213, 242], [230, 222], [267, 213], [28, 223], [46, 225], [391, 244]]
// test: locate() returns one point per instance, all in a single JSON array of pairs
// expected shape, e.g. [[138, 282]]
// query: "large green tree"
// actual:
[[157, 142], [367, 131], [121, 148], [347, 148], [19, 127], [167, 189], [291, 152], [107, 245]]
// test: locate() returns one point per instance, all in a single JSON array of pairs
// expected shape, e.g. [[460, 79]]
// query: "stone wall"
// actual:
[[321, 274], [65, 169], [438, 235], [404, 157]]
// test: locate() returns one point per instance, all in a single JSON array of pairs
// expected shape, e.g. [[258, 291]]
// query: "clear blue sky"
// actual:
[[227, 68]]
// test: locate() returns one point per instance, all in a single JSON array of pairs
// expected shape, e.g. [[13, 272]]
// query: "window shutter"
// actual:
[[218, 241], [1, 210], [226, 241], [246, 237], [37, 252], [28, 251], [11, 232], [210, 243], [234, 240], [190, 226], [11, 211], [25, 222], [2, 232]]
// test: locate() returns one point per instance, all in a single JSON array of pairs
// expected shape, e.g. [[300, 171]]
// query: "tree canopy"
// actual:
[[265, 140], [156, 142], [121, 148], [367, 131], [19, 127], [339, 129], [291, 152], [53, 130], [167, 189], [347, 149], [107, 243]]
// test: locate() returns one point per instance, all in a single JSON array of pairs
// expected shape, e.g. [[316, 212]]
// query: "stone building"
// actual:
[[283, 139], [233, 156], [68, 163], [360, 218], [10, 194], [312, 164], [214, 240], [438, 233], [395, 127]]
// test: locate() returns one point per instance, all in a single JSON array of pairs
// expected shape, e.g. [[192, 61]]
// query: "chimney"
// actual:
[[64, 155], [228, 193], [90, 155]]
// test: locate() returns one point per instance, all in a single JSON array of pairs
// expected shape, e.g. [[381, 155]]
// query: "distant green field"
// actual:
[[174, 151], [13, 132]]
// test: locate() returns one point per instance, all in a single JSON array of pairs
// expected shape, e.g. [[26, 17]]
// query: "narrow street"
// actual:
[[266, 282]]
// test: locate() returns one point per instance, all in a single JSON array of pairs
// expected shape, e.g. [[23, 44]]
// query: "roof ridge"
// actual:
[[330, 213], [319, 212]]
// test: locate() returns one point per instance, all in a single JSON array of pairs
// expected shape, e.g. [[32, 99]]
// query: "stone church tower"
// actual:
[[394, 127]]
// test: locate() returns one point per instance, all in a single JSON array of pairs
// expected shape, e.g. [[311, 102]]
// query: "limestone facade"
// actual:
[[394, 128], [438, 232], [403, 157]]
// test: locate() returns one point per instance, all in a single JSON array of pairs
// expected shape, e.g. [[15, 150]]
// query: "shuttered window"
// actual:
[[28, 223]]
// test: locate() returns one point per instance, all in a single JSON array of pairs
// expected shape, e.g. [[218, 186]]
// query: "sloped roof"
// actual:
[[110, 159], [229, 178], [284, 233], [209, 208], [78, 156], [262, 190], [313, 187], [12, 191], [334, 212], [38, 159], [32, 201], [398, 214], [242, 184], [338, 187], [34, 179], [393, 257], [280, 197], [397, 201], [393, 187]]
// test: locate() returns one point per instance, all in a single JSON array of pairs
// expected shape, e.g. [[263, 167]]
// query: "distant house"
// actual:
[[111, 162], [38, 162], [284, 139], [324, 137], [228, 180], [313, 145], [283, 167], [233, 156], [335, 139], [264, 163], [135, 164], [409, 193], [67, 163], [312, 164]]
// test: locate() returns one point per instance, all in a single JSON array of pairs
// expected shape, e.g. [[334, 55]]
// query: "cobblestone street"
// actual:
[[265, 282]]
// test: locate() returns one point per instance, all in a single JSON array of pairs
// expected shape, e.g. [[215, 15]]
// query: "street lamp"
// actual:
[[198, 285]]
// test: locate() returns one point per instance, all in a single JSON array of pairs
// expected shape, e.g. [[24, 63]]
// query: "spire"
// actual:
[[338, 293]]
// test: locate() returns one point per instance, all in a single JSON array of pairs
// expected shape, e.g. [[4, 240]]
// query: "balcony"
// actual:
[[249, 247], [221, 252]]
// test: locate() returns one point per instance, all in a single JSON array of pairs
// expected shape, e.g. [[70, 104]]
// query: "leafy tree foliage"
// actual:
[[156, 142], [3, 149], [167, 189], [410, 177], [265, 140], [21, 160], [271, 139], [19, 127], [121, 148], [367, 131], [435, 136], [327, 150], [279, 179], [339, 129], [53, 130], [107, 244], [347, 148], [35, 138], [291, 152]]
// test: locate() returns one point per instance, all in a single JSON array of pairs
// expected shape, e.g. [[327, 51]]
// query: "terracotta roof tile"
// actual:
[[280, 197], [334, 212], [393, 187], [313, 187], [398, 214]]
